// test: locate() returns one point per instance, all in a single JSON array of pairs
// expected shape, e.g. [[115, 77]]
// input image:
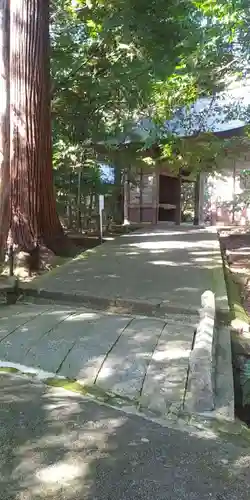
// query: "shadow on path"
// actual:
[[55, 445]]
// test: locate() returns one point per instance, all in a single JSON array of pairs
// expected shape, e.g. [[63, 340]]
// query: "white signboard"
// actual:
[[101, 203], [101, 208]]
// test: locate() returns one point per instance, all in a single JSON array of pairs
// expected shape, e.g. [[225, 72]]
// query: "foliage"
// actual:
[[68, 160], [112, 61], [116, 62], [204, 152]]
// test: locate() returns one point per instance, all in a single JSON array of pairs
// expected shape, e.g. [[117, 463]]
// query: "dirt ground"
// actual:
[[235, 243]]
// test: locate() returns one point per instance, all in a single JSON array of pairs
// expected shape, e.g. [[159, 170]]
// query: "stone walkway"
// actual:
[[143, 359], [153, 270], [129, 325]]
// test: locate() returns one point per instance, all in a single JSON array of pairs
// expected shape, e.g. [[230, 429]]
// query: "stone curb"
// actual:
[[199, 396], [224, 376], [9, 288], [219, 285], [118, 305], [224, 390]]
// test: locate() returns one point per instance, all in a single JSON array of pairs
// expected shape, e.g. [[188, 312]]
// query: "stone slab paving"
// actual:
[[158, 266], [51, 349], [125, 367], [157, 271], [16, 346], [165, 380], [12, 317], [94, 341], [133, 357]]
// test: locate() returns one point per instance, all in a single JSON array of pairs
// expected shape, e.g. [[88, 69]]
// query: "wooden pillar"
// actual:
[[118, 191], [196, 200], [155, 197], [141, 197], [234, 190], [126, 199], [178, 203], [201, 198]]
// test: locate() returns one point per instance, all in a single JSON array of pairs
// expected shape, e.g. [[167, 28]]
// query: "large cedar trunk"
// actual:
[[34, 218], [4, 124]]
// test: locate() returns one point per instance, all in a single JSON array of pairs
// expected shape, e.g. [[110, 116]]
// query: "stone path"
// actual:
[[158, 269], [141, 293], [143, 359]]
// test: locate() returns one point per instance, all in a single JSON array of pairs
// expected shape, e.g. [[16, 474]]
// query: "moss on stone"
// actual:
[[9, 369], [68, 384], [237, 310], [91, 390]]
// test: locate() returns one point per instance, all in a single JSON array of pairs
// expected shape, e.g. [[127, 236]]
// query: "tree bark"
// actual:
[[90, 208], [4, 125], [79, 198], [34, 218]]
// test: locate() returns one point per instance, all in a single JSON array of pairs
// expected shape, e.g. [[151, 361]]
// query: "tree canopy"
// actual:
[[114, 62]]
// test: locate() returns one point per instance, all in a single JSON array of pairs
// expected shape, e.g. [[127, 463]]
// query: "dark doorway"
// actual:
[[169, 194]]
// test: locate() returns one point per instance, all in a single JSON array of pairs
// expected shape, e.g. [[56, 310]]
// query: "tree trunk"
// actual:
[[90, 208], [4, 125], [33, 206], [69, 213], [141, 196], [69, 206], [79, 197]]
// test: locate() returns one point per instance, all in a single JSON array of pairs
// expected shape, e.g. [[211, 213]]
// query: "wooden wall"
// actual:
[[142, 198]]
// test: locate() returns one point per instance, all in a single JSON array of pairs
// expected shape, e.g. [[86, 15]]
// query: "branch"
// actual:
[[72, 74]]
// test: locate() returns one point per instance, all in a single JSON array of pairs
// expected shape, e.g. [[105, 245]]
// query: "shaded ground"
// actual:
[[27, 268], [26, 271], [57, 446]]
